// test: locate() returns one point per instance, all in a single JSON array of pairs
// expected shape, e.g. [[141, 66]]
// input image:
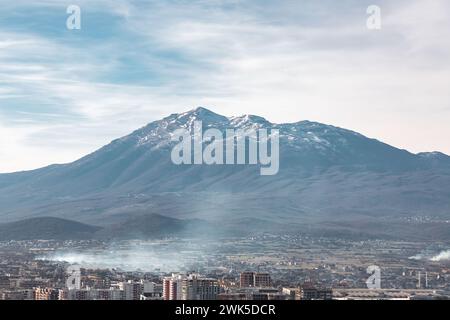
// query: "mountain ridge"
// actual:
[[326, 173], [232, 121], [46, 228]]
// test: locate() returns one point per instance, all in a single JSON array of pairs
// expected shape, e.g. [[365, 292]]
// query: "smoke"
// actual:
[[442, 256], [130, 256], [128, 261]]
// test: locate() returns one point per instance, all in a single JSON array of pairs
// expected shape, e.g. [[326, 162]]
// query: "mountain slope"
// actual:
[[46, 228], [326, 173]]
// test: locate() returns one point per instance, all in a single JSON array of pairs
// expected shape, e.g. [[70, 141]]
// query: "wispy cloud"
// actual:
[[64, 93]]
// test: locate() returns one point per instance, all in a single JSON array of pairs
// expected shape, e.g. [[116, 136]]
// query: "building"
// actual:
[[385, 294], [151, 296], [172, 287], [4, 282], [292, 293], [253, 293], [262, 280], [151, 291], [107, 294], [247, 279], [232, 296], [17, 295], [46, 294], [310, 292], [166, 288], [132, 290], [78, 294], [195, 287], [255, 279]]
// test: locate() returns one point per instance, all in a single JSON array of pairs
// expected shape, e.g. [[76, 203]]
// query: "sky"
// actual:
[[64, 93]]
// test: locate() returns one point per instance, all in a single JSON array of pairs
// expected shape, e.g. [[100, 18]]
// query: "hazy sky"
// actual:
[[64, 93]]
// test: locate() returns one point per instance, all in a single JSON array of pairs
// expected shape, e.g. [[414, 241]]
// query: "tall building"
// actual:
[[255, 279], [262, 279], [132, 290], [149, 287], [172, 287], [247, 279], [166, 288], [151, 291], [195, 287]]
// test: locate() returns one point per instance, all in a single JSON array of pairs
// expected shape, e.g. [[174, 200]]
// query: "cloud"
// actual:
[[134, 62]]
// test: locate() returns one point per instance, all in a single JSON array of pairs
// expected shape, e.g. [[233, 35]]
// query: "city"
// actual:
[[265, 267], [224, 158]]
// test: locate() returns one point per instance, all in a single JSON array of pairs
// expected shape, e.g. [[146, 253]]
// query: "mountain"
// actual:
[[147, 226], [46, 228], [328, 176], [134, 227]]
